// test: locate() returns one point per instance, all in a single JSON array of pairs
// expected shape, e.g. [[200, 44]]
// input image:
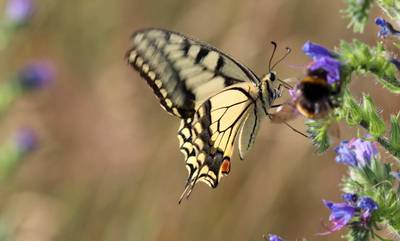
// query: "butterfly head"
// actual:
[[271, 87]]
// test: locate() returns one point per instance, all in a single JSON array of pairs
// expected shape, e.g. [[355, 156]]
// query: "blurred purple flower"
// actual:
[[315, 51], [356, 152], [19, 11], [273, 237], [330, 66], [350, 198], [386, 29], [35, 75], [396, 63], [341, 214], [26, 140], [396, 175], [367, 204]]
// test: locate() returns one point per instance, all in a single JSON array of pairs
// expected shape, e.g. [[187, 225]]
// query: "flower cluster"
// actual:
[[356, 152], [273, 237], [353, 211], [35, 75], [25, 140], [18, 12]]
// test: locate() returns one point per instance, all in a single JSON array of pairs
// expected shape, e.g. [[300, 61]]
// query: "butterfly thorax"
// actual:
[[269, 90]]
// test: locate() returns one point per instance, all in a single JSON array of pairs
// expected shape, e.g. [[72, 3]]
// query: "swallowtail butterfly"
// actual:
[[217, 99]]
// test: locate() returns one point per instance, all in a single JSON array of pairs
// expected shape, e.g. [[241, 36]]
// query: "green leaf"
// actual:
[[395, 131], [390, 7], [376, 126], [350, 111], [360, 58], [318, 131]]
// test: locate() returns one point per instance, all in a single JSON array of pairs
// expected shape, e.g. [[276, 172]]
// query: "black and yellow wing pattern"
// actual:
[[215, 96]]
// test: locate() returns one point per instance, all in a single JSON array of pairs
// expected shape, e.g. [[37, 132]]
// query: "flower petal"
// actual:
[[330, 66], [314, 50]]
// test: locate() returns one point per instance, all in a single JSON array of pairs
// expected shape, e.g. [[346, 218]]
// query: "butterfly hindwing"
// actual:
[[183, 72], [209, 140], [248, 131]]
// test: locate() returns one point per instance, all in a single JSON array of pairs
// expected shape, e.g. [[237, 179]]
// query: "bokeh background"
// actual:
[[107, 166]]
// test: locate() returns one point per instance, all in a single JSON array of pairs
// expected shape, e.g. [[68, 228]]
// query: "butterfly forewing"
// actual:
[[183, 72]]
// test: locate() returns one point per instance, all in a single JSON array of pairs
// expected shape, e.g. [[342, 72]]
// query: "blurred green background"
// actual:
[[108, 166]]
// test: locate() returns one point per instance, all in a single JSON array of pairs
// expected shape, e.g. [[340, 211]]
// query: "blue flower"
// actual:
[[396, 175], [323, 59], [25, 140], [396, 63], [35, 75], [345, 155], [354, 210], [386, 28], [330, 66], [19, 11], [364, 150], [367, 204], [341, 215], [350, 198], [316, 51], [356, 152], [273, 237]]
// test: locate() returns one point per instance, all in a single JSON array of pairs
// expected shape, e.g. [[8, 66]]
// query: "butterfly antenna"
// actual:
[[288, 50], [272, 55]]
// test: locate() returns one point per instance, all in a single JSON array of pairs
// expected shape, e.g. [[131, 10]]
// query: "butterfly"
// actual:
[[218, 100]]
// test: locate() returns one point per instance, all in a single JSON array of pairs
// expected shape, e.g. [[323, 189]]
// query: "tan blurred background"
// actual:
[[108, 166]]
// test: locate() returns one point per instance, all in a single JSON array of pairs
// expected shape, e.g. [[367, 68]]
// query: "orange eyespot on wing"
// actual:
[[226, 166]]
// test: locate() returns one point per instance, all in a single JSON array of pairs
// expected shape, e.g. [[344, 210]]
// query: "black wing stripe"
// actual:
[[167, 60]]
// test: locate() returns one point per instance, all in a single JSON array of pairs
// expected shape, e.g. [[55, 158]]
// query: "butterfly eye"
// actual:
[[272, 77]]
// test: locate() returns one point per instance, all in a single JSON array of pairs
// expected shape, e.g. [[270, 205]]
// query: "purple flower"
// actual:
[[396, 63], [353, 211], [19, 11], [35, 75], [356, 152], [367, 204], [323, 60], [364, 150], [341, 215], [386, 29], [330, 66], [26, 140], [396, 175], [350, 198], [273, 237], [345, 155], [316, 51]]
